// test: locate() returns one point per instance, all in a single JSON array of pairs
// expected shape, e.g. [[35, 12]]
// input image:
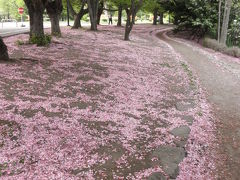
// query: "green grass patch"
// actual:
[[42, 40], [20, 42], [165, 65], [189, 73]]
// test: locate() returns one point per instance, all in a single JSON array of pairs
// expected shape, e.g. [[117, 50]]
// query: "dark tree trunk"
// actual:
[[93, 12], [129, 24], [37, 29], [3, 51], [161, 18], [77, 21], [131, 14], [119, 16], [35, 10], [31, 22], [128, 29], [225, 21], [71, 10], [155, 14], [100, 11], [78, 17], [55, 27], [133, 20], [54, 10]]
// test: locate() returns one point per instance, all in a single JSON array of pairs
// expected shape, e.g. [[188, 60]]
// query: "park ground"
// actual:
[[92, 106]]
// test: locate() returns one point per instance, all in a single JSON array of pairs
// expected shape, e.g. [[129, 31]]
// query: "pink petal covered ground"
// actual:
[[93, 106]]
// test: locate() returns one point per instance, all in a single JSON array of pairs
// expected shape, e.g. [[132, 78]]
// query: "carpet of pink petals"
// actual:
[[92, 106]]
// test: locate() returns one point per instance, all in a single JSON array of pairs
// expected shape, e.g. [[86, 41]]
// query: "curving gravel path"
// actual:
[[220, 76]]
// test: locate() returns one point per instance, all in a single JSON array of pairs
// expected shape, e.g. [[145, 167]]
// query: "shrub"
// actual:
[[233, 51], [234, 34], [104, 20], [20, 42], [213, 44], [42, 40], [56, 34], [85, 18]]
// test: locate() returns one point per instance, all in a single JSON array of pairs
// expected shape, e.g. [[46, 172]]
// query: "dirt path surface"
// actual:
[[220, 76], [92, 106]]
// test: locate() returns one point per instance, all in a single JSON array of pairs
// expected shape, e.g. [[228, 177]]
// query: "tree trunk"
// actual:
[[161, 18], [30, 8], [35, 10], [31, 22], [93, 11], [131, 14], [54, 10], [100, 11], [127, 31], [99, 18], [129, 24], [37, 29], [3, 51], [77, 21], [119, 23], [78, 17], [71, 10], [219, 19], [155, 14], [55, 27], [227, 10], [133, 20]]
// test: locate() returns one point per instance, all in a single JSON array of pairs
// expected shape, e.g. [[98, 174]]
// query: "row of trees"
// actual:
[[54, 8], [200, 17], [94, 8]]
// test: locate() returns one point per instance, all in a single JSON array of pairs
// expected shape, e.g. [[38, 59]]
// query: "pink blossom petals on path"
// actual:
[[93, 106]]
